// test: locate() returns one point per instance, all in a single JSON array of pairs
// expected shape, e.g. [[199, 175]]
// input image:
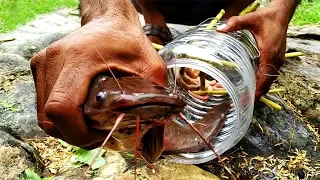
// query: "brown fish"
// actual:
[[182, 138], [141, 97], [154, 105]]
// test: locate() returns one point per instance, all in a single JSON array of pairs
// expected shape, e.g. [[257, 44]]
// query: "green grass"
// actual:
[[17, 12], [308, 12], [14, 13]]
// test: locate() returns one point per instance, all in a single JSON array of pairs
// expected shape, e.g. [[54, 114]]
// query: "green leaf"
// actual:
[[99, 162], [82, 157], [63, 143], [30, 175]]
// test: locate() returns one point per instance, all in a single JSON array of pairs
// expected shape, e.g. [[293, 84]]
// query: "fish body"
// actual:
[[155, 105], [186, 140], [138, 96]]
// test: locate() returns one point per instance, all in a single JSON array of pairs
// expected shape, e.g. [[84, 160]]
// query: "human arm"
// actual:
[[269, 26], [63, 71], [152, 15]]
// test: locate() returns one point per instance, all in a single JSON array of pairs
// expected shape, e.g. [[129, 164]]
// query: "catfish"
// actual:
[[156, 106], [136, 96]]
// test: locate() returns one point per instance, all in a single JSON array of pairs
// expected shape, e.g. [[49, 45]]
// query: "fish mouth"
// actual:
[[149, 106], [145, 105]]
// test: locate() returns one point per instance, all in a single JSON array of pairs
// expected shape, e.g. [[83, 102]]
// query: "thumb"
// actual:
[[238, 23]]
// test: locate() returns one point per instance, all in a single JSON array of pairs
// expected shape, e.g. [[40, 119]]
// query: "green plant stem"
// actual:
[[294, 54], [216, 19], [252, 7]]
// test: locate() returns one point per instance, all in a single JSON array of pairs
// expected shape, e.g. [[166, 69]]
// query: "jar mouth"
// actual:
[[228, 134]]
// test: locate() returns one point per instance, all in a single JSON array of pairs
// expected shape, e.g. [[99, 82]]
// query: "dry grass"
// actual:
[[55, 155]]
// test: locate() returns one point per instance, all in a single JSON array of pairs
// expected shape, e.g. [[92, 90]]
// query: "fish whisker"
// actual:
[[136, 146], [209, 144], [119, 119], [112, 74]]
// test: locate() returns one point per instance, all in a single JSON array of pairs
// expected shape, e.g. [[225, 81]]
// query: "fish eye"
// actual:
[[101, 96]]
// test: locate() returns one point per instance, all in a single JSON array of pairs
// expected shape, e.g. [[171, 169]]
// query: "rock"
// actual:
[[36, 35], [16, 156], [165, 169], [29, 47], [300, 76], [282, 128], [17, 107], [304, 32], [12, 64], [309, 46], [272, 133], [120, 167]]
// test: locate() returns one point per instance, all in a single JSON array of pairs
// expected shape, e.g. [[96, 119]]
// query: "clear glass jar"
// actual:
[[232, 60]]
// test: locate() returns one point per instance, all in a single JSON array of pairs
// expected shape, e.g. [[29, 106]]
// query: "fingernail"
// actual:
[[222, 26]]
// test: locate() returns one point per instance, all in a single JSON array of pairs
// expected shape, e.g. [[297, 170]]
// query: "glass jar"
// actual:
[[228, 58]]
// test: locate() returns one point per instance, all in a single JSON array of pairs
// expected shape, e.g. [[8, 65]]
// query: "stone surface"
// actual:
[[304, 32], [271, 127], [36, 35], [12, 64], [17, 107], [165, 169], [300, 76], [17, 93], [120, 167], [16, 156], [29, 47]]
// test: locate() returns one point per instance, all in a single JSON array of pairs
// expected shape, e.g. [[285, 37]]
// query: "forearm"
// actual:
[[91, 9], [287, 8], [151, 12]]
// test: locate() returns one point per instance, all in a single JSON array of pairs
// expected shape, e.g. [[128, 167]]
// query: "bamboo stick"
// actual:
[[224, 92], [252, 7], [270, 103], [216, 19], [157, 46], [274, 91], [262, 99], [294, 54]]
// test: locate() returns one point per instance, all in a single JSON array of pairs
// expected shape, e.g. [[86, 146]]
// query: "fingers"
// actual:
[[155, 39], [191, 73], [248, 21], [151, 64], [37, 65], [68, 94], [263, 85]]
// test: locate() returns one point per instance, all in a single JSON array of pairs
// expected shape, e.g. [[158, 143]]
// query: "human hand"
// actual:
[[63, 72], [269, 27]]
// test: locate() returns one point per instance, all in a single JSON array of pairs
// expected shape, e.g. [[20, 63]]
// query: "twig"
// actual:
[[119, 119], [216, 19], [294, 54], [262, 99], [136, 146], [252, 7], [270, 103], [208, 143], [224, 92], [202, 81], [214, 92], [157, 46], [7, 39], [275, 91]]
